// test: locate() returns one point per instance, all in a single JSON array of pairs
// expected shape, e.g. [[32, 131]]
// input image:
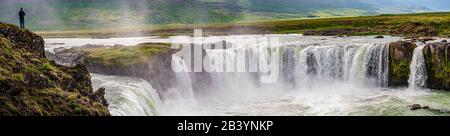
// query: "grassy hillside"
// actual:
[[424, 24], [32, 85]]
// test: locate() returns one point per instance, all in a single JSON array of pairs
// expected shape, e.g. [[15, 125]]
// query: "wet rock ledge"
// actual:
[[437, 63]]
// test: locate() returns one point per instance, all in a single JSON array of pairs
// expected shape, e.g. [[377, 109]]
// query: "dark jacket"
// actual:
[[22, 14]]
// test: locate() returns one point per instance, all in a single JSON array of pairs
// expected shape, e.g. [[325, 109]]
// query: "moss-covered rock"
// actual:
[[30, 84], [23, 39], [400, 56], [437, 60]]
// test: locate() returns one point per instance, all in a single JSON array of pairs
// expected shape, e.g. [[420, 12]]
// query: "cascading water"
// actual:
[[339, 76], [418, 75], [347, 63], [289, 66], [226, 76], [183, 81], [302, 65], [180, 98], [128, 96]]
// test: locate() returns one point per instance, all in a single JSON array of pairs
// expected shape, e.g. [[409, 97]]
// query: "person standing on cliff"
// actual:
[[22, 18]]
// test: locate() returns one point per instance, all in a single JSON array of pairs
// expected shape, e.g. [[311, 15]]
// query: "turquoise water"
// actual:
[[397, 106]]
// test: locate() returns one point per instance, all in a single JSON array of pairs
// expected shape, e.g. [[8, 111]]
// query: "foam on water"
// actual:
[[418, 75]]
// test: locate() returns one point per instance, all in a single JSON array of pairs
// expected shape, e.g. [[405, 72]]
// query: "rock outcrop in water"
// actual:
[[150, 62], [30, 84], [437, 59], [400, 57]]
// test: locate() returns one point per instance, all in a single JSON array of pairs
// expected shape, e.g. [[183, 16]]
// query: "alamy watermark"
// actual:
[[228, 54]]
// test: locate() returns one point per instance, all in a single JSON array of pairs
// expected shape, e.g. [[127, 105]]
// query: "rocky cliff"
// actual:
[[151, 62], [437, 63], [400, 57], [437, 60], [30, 84]]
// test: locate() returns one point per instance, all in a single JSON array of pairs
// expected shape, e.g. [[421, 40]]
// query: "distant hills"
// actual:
[[78, 14]]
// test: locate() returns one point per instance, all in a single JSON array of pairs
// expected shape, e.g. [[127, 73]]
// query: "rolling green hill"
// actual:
[[88, 14], [421, 24]]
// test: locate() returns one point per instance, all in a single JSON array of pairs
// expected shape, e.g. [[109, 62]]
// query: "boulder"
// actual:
[[415, 107], [379, 37]]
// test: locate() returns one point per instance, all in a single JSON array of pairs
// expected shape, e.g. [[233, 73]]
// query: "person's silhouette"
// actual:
[[22, 18]]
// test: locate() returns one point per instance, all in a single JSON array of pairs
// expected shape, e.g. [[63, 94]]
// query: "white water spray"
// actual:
[[334, 78], [128, 96], [418, 75]]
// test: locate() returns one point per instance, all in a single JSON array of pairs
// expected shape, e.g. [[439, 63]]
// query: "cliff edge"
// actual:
[[30, 84]]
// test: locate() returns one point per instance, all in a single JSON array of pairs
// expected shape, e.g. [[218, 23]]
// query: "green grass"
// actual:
[[47, 66], [124, 55], [83, 14], [369, 25], [18, 77]]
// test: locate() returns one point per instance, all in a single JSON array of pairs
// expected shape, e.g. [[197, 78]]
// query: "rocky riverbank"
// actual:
[[437, 59]]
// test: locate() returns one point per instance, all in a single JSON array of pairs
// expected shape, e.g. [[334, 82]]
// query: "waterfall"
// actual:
[[128, 96], [356, 63], [301, 67], [334, 76], [378, 64], [231, 73], [352, 63], [418, 75], [231, 78], [289, 67], [183, 92]]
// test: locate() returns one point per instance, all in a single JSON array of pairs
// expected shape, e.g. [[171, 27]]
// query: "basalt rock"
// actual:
[[31, 85], [379, 37], [400, 57], [415, 107], [437, 60], [23, 39], [156, 70], [66, 57], [425, 39], [152, 65], [418, 107], [99, 95]]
